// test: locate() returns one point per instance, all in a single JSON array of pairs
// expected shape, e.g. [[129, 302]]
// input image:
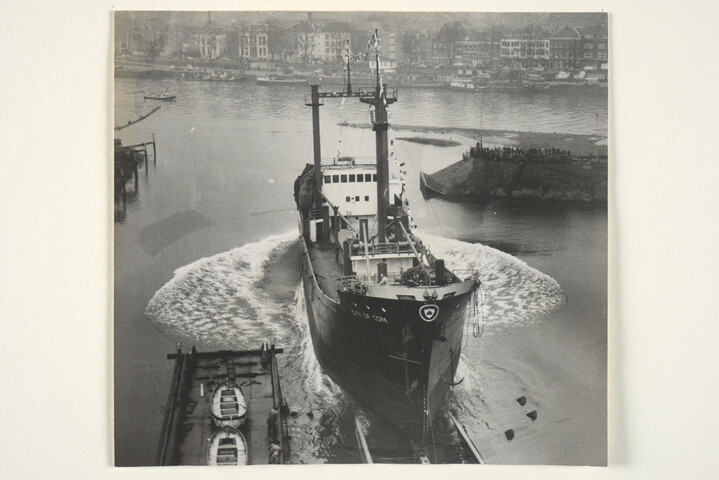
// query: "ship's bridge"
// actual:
[[351, 185]]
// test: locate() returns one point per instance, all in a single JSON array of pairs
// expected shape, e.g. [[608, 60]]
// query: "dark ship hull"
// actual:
[[383, 352], [386, 317]]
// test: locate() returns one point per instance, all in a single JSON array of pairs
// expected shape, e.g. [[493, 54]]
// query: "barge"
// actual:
[[190, 435]]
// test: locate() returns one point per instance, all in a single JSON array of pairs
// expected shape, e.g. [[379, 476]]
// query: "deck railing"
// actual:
[[358, 283]]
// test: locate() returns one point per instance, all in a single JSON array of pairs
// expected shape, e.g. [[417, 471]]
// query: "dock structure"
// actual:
[[453, 446], [473, 454], [188, 423], [127, 161]]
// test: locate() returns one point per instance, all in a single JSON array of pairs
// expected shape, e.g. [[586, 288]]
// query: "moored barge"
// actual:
[[189, 434]]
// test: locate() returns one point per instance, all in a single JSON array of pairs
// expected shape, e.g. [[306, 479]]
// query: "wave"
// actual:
[[516, 294], [216, 300]]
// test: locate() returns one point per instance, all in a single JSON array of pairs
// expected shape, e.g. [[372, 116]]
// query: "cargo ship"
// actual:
[[386, 317]]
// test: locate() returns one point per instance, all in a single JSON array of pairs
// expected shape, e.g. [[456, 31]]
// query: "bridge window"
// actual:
[[357, 198], [347, 198], [335, 179], [374, 177], [343, 178], [360, 178], [328, 179], [366, 198], [352, 177], [367, 177]]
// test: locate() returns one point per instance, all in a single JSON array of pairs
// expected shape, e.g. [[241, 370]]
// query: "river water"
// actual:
[[206, 255]]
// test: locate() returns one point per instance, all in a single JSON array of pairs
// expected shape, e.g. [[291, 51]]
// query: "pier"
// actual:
[[127, 161], [188, 423]]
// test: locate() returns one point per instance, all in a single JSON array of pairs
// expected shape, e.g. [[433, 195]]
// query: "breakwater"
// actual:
[[549, 173], [476, 178]]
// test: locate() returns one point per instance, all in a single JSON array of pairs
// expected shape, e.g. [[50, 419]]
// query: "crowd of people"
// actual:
[[517, 154]]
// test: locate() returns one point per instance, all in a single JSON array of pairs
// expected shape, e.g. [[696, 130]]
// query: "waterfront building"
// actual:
[[233, 41], [326, 46], [579, 47], [255, 44], [595, 47], [476, 53], [212, 45], [524, 53]]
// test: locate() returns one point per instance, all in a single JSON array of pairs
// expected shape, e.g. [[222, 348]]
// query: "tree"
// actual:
[[450, 34], [276, 39], [496, 32], [409, 40]]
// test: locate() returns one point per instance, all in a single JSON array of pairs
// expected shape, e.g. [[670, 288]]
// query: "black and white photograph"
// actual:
[[360, 237], [326, 240]]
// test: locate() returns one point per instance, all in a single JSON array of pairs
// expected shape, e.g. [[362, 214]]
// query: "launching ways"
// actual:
[[467, 452]]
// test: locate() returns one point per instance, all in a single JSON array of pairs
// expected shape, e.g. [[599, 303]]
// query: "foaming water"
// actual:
[[215, 300], [230, 152], [516, 294], [320, 405]]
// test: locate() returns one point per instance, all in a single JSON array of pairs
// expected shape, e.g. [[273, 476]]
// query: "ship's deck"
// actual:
[[188, 419]]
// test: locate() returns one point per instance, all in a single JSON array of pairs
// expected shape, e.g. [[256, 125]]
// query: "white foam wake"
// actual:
[[516, 294], [216, 301]]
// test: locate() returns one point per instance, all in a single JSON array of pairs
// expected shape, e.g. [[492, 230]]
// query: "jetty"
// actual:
[[188, 425], [127, 161]]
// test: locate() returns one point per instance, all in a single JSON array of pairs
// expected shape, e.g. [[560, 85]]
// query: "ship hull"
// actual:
[[383, 353]]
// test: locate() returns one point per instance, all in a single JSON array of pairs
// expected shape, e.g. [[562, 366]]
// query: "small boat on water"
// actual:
[[465, 84], [160, 96], [229, 405], [227, 446], [504, 86], [281, 80]]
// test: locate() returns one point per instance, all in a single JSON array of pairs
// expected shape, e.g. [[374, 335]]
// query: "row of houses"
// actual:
[[302, 42], [569, 47]]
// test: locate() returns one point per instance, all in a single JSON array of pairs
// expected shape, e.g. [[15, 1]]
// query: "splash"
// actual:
[[323, 404], [319, 388], [516, 294], [215, 300]]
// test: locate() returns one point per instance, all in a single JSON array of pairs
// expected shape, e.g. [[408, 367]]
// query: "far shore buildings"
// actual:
[[579, 47], [572, 41], [255, 44], [524, 53]]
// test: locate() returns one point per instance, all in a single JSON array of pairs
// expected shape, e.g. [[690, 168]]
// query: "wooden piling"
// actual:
[[154, 150]]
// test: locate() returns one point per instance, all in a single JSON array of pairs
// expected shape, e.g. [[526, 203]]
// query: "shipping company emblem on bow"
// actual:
[[428, 312]]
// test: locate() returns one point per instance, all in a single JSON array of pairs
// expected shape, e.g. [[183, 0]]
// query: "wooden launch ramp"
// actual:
[[469, 452]]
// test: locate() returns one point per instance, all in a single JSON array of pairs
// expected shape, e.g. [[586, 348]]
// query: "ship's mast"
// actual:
[[380, 125], [349, 82], [379, 99]]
